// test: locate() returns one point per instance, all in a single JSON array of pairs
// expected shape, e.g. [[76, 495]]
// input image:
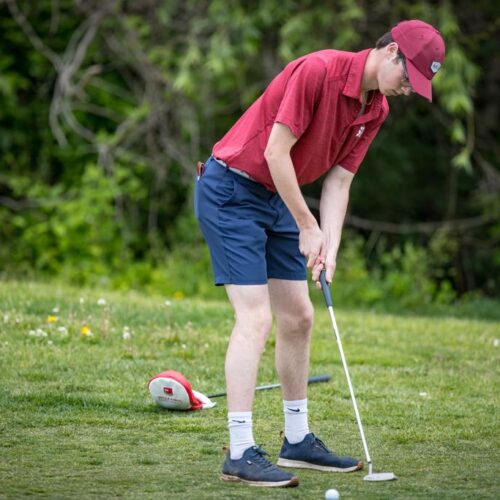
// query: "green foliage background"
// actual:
[[106, 106]]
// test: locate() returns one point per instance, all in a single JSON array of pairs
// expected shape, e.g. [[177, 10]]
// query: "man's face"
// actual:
[[392, 75]]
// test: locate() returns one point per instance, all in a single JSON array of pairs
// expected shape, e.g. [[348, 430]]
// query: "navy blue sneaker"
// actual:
[[311, 453], [253, 468]]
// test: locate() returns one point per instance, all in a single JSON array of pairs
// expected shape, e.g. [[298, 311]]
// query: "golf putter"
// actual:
[[371, 476]]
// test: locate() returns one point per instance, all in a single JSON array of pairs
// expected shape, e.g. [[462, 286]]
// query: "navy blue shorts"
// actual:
[[250, 232]]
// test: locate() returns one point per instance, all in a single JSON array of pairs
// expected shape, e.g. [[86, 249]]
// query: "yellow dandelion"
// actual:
[[85, 331], [52, 318], [179, 295]]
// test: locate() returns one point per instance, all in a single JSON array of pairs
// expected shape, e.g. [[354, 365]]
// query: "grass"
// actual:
[[77, 419]]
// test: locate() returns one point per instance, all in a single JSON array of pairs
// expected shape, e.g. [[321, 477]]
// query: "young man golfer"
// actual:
[[318, 116]]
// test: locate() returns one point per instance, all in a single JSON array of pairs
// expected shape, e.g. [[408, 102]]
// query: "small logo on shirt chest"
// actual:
[[360, 131]]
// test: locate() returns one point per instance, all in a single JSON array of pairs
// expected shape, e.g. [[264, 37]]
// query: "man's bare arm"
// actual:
[[333, 207], [277, 155]]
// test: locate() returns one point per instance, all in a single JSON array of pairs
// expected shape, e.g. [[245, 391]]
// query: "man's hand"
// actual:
[[312, 245], [330, 264]]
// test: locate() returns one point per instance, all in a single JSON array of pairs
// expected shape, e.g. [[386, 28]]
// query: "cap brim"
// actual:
[[420, 84]]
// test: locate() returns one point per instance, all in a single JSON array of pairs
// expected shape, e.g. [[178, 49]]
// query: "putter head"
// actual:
[[380, 476]]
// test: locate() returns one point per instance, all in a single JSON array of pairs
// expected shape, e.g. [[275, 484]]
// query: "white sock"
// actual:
[[240, 432], [296, 424]]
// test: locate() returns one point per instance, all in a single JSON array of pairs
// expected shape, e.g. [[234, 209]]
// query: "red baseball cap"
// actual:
[[424, 50]]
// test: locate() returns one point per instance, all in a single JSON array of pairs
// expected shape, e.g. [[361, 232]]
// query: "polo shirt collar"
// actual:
[[352, 87]]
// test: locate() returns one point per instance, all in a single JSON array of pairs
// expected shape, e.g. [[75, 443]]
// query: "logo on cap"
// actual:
[[435, 66]]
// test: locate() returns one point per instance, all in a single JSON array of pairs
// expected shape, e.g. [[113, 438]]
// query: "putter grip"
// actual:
[[326, 289], [319, 378]]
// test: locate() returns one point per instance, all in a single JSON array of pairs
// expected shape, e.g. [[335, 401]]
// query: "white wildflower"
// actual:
[[496, 342], [37, 333], [55, 310], [82, 300], [168, 303], [49, 342], [101, 302], [63, 331], [127, 335], [184, 346], [5, 318], [423, 394]]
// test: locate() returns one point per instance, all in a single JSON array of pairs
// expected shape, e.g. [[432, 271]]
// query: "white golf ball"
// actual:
[[332, 494]]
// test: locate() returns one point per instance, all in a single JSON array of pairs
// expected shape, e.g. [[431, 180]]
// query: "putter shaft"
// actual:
[[329, 304], [351, 389]]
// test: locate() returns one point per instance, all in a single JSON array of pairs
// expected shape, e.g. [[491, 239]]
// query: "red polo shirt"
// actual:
[[317, 97]]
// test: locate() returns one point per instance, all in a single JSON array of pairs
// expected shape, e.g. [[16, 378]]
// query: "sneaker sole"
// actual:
[[277, 484], [284, 462]]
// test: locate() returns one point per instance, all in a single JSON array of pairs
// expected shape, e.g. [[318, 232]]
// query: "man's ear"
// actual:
[[391, 50]]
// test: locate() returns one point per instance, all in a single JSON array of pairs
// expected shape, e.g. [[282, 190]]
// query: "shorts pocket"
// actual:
[[225, 192], [213, 191]]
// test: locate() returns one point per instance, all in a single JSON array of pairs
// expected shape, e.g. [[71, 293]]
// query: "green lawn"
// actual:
[[76, 419]]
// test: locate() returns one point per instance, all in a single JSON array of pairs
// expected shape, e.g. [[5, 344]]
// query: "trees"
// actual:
[[107, 105]]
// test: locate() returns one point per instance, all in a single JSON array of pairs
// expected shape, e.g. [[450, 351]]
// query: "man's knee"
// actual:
[[305, 318], [252, 311], [256, 323], [299, 319]]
